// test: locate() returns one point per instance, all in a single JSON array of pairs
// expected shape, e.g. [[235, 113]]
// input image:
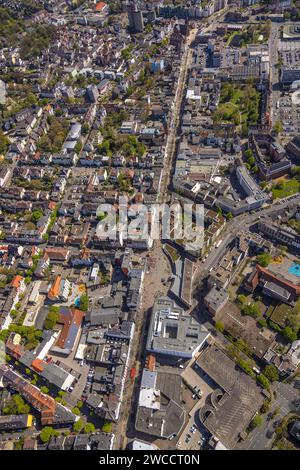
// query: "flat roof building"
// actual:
[[234, 401], [159, 411], [15, 422], [172, 332], [216, 299]]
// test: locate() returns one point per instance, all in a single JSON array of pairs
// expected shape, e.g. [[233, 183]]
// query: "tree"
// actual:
[[219, 326], [252, 310], [51, 320], [274, 326], [107, 426], [246, 366], [84, 303], [256, 421], [4, 142], [14, 313], [271, 372], [148, 28], [76, 411], [16, 406], [279, 430], [248, 154], [104, 148], [265, 406], [126, 53], [36, 215], [289, 334], [262, 322], [89, 428], [46, 434], [44, 389], [85, 128], [78, 147], [60, 400], [8, 357], [242, 299], [78, 425], [264, 259], [262, 379], [278, 127], [263, 184]]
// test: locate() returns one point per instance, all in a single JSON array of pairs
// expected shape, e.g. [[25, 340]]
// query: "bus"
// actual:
[[218, 244]]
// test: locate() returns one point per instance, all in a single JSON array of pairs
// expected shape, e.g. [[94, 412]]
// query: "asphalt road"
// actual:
[[287, 400], [170, 151], [233, 227], [274, 77]]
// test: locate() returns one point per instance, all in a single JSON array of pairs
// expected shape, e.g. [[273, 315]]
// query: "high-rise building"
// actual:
[[135, 17]]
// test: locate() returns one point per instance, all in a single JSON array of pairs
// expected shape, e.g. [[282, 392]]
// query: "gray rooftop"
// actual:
[[235, 400], [173, 333]]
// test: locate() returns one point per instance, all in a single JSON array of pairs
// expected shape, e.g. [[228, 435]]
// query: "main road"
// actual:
[[274, 41], [244, 222], [171, 144], [138, 344]]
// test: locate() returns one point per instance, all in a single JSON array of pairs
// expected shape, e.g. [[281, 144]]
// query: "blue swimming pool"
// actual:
[[295, 269], [77, 302]]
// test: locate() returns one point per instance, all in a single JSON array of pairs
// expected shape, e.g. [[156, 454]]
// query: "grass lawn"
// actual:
[[229, 112], [253, 34], [239, 104], [230, 38], [284, 189], [172, 252], [279, 315]]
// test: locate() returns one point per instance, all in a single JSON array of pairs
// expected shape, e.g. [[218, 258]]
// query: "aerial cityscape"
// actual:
[[150, 225]]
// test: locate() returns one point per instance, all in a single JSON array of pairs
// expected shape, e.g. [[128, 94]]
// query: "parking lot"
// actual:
[[83, 370], [291, 56], [289, 114], [192, 438]]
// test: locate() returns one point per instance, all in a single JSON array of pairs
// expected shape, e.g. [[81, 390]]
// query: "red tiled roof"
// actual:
[[259, 270], [100, 6], [283, 282], [54, 290], [73, 317], [16, 282], [38, 365], [57, 253]]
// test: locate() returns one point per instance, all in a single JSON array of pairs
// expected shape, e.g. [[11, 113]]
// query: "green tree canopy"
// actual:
[[271, 372], [264, 259], [4, 142], [89, 428], [46, 434], [51, 320], [78, 425], [107, 426], [256, 421], [262, 379], [289, 334]]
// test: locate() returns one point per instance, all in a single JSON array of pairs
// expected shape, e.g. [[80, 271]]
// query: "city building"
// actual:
[[15, 422], [272, 284], [215, 300], [172, 332], [135, 17], [159, 412], [233, 394]]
